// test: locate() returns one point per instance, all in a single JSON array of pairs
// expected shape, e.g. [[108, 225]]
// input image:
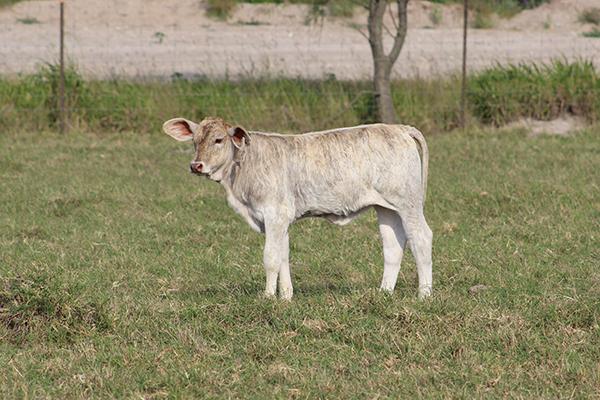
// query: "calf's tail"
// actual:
[[420, 139]]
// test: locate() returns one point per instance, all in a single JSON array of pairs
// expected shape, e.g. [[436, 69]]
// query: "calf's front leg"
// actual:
[[276, 260]]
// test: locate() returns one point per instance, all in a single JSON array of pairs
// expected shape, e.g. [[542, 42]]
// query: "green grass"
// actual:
[[28, 20], [594, 33], [123, 276], [6, 3], [496, 96]]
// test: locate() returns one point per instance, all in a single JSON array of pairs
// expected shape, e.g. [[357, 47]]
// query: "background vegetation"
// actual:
[[591, 16], [344, 8], [124, 276], [496, 96], [5, 3]]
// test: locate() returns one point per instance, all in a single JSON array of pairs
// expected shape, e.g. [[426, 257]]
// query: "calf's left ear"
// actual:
[[180, 129], [239, 136]]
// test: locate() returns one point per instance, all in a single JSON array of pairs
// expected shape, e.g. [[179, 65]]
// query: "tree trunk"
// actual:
[[382, 62], [383, 92]]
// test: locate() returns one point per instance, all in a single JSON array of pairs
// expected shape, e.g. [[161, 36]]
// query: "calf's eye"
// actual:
[[219, 140]]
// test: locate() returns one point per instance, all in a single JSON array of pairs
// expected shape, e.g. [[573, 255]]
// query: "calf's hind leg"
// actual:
[[420, 241], [394, 240]]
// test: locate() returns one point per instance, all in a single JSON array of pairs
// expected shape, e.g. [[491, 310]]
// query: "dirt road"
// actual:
[[147, 38]]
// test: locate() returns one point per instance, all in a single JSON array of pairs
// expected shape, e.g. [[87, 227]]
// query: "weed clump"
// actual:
[[39, 306]]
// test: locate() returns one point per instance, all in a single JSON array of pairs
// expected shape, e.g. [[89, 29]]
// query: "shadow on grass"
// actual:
[[256, 288]]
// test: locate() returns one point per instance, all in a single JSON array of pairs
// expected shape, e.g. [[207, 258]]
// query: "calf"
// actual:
[[272, 180]]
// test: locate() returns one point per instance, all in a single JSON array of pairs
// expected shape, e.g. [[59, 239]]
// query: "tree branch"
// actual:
[[356, 27], [393, 18], [401, 32], [387, 30]]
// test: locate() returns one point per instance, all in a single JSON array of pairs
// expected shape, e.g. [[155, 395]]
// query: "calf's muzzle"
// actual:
[[196, 167]]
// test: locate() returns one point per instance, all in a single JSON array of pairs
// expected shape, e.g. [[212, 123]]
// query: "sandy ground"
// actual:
[[147, 38], [565, 125]]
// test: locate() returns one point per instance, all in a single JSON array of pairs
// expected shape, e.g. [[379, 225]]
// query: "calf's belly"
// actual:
[[341, 208]]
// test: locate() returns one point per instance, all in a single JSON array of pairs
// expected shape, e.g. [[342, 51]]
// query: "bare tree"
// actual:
[[382, 62]]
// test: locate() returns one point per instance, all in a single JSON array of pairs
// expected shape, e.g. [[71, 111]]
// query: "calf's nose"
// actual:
[[196, 167]]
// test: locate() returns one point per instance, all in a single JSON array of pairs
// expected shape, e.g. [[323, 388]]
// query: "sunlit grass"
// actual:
[[124, 276]]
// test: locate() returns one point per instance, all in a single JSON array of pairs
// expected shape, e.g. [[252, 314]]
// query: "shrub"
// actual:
[[505, 93], [590, 16], [435, 16], [220, 9], [482, 20]]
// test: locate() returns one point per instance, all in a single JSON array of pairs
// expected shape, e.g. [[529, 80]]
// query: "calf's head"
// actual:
[[216, 143]]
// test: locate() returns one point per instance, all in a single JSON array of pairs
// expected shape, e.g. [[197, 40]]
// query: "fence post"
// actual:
[[61, 82], [463, 92]]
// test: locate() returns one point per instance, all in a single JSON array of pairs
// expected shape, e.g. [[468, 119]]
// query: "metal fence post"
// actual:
[[61, 83], [463, 92]]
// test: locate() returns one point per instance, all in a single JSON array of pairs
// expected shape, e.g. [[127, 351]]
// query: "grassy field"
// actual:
[[122, 275]]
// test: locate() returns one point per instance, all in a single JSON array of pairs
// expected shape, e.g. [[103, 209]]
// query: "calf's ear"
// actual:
[[239, 136], [180, 129]]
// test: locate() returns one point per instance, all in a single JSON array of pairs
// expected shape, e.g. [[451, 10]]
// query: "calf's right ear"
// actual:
[[180, 129]]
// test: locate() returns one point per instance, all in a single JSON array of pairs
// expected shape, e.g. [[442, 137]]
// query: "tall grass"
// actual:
[[496, 96], [502, 94]]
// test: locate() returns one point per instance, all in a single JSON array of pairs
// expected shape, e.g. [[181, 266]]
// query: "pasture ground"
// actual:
[[122, 275]]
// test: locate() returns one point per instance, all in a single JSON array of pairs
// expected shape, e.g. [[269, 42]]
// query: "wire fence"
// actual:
[[149, 40]]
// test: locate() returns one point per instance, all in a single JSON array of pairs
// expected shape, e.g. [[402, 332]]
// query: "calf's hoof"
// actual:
[[286, 293], [386, 289], [424, 292]]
